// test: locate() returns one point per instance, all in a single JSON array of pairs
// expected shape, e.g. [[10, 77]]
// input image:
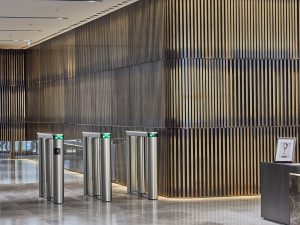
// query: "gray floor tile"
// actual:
[[20, 204]]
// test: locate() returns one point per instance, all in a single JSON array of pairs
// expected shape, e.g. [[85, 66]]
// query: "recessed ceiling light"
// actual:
[[27, 41], [20, 30], [33, 17], [77, 0]]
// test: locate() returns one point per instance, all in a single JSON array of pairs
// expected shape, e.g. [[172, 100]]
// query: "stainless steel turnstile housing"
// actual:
[[97, 165], [142, 164], [51, 167]]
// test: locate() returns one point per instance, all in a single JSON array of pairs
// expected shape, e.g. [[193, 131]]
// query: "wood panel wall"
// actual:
[[104, 76], [12, 95], [106, 73], [219, 80], [233, 80]]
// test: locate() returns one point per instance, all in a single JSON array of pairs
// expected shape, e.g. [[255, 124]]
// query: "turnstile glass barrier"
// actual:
[[18, 149], [25, 149], [118, 160], [5, 149], [73, 155]]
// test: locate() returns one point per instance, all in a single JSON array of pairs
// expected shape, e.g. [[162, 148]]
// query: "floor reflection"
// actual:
[[20, 204], [18, 172], [25, 171]]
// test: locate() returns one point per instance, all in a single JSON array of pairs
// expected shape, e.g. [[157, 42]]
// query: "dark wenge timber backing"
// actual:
[[12, 95], [104, 76], [232, 70], [218, 79]]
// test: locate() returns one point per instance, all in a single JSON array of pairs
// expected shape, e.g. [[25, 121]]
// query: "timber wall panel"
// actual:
[[233, 29], [104, 76], [233, 76], [12, 95], [218, 79]]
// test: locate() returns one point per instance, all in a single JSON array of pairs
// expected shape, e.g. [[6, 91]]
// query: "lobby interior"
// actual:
[[190, 98]]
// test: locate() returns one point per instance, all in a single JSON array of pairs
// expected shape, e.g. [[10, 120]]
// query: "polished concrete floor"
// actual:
[[20, 204]]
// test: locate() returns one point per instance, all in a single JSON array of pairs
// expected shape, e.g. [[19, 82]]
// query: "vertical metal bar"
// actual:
[[106, 187], [85, 180], [50, 153], [152, 163], [96, 164], [133, 164], [45, 165], [41, 170], [128, 164], [113, 161], [140, 165], [146, 167], [58, 169], [49, 168], [89, 166]]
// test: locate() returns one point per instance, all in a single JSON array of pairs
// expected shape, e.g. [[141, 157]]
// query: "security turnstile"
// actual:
[[142, 164], [97, 165], [51, 167]]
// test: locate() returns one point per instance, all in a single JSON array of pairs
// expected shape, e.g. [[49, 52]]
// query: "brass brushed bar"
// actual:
[[297, 87], [297, 27]]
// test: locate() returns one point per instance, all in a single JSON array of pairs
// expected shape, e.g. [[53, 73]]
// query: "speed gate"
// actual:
[[97, 165], [142, 164]]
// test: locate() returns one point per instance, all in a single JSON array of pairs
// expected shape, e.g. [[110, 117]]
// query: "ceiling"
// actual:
[[24, 23]]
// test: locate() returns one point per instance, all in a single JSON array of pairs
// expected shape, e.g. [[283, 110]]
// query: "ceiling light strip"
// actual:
[[33, 17], [21, 30]]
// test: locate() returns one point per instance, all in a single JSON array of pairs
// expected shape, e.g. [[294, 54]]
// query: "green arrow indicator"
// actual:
[[106, 135], [152, 135], [58, 137]]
